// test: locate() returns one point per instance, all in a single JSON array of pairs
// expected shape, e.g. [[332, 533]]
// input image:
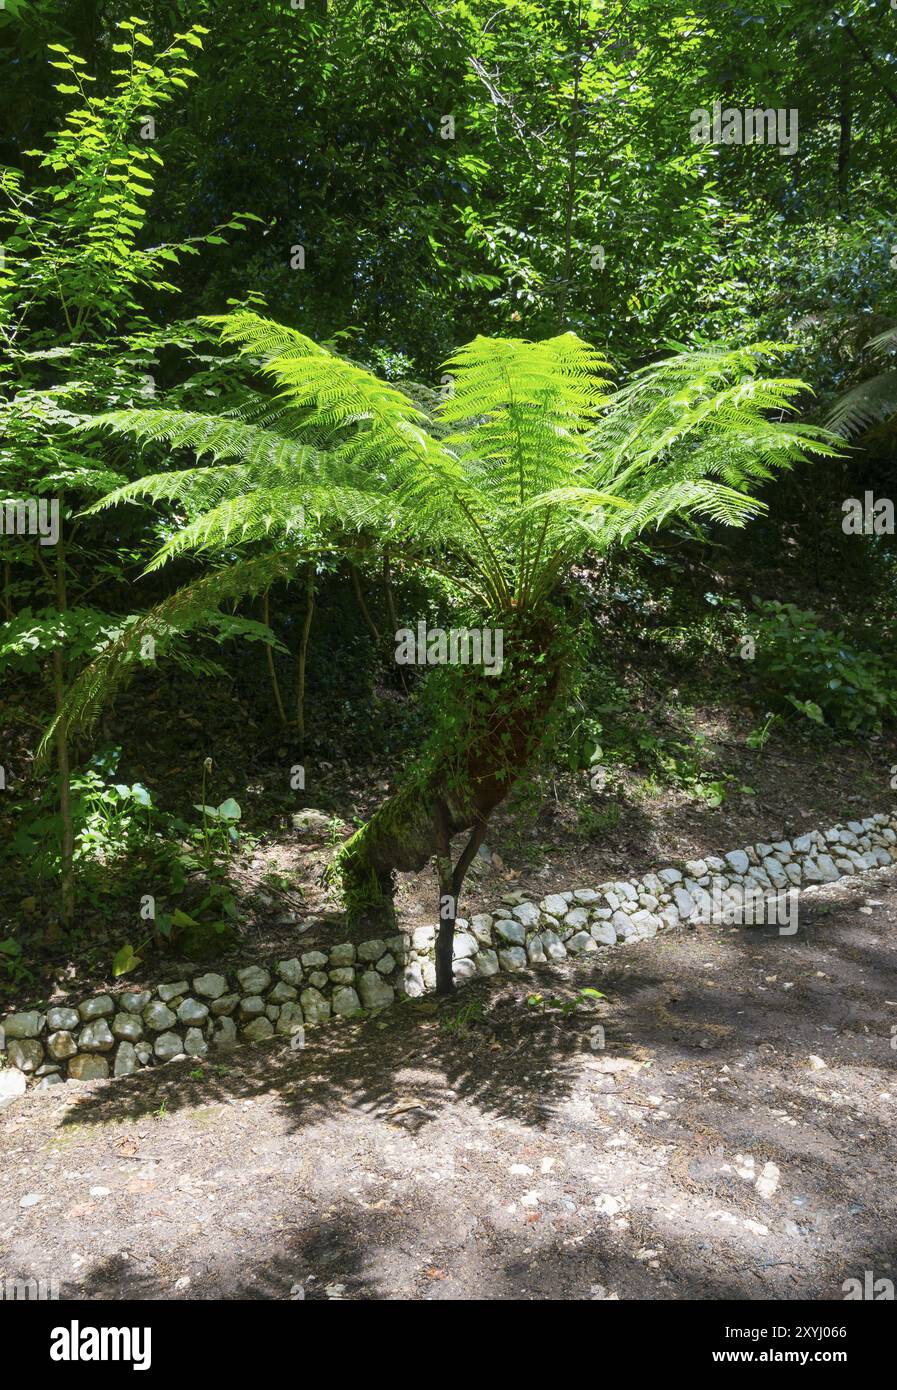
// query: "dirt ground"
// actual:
[[733, 1138]]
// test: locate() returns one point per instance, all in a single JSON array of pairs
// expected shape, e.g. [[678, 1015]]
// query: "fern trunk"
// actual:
[[498, 724]]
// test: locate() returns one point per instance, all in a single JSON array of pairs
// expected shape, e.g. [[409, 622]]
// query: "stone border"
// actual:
[[119, 1034]]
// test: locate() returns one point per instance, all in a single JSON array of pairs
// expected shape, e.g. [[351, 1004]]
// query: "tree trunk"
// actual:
[[455, 788], [67, 853], [448, 907], [845, 120], [365, 611], [303, 652], [269, 657]]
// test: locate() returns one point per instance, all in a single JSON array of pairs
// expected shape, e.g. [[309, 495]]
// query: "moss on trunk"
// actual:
[[488, 729]]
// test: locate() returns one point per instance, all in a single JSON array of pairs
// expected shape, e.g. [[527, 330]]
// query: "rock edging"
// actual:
[[118, 1034]]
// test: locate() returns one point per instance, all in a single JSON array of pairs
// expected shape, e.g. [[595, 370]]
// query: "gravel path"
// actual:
[[733, 1138]]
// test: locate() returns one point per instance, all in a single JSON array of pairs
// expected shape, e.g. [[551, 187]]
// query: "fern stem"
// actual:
[[269, 654]]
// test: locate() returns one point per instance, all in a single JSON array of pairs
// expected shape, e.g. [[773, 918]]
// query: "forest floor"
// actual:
[[733, 1138]]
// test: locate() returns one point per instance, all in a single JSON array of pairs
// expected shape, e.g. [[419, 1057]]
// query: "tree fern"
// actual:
[[529, 461]]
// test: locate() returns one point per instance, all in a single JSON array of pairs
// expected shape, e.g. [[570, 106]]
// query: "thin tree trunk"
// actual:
[[448, 905], [845, 120], [67, 857], [451, 881], [275, 683], [356, 584], [390, 597], [570, 200], [303, 650], [393, 615]]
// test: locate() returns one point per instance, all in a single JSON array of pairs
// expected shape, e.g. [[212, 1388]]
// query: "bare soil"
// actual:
[[733, 1138]]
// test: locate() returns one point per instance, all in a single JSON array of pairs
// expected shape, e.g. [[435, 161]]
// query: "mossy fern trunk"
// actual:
[[490, 729]]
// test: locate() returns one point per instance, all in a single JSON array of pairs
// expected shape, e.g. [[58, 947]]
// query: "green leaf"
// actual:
[[125, 959], [183, 919]]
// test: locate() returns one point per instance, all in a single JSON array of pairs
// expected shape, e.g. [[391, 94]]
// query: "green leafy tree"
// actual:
[[75, 337]]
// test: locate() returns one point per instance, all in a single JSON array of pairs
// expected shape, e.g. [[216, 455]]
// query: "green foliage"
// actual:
[[14, 969], [583, 1000], [541, 465], [821, 674], [874, 399], [458, 1024]]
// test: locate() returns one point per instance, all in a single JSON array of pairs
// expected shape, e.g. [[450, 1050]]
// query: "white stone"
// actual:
[[684, 902], [25, 1053], [166, 1046], [345, 1000], [513, 932], [96, 1037], [259, 1030], [88, 1067], [191, 1012], [194, 1043], [289, 1020], [375, 992], [827, 868], [554, 946], [126, 1060], [413, 981], [290, 972], [527, 913], [61, 1020], [61, 1045], [134, 1002], [170, 991], [315, 1007], [210, 986], [481, 926], [776, 872]]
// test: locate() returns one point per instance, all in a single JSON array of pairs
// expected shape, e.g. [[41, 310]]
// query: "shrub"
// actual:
[[815, 670]]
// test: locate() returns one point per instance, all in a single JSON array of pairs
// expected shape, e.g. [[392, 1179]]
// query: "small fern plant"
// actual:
[[532, 461]]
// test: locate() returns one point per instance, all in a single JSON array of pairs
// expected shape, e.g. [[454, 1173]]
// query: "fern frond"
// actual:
[[873, 400], [186, 610]]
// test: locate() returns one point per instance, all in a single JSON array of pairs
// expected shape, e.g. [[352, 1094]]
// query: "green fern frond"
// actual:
[[186, 610]]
